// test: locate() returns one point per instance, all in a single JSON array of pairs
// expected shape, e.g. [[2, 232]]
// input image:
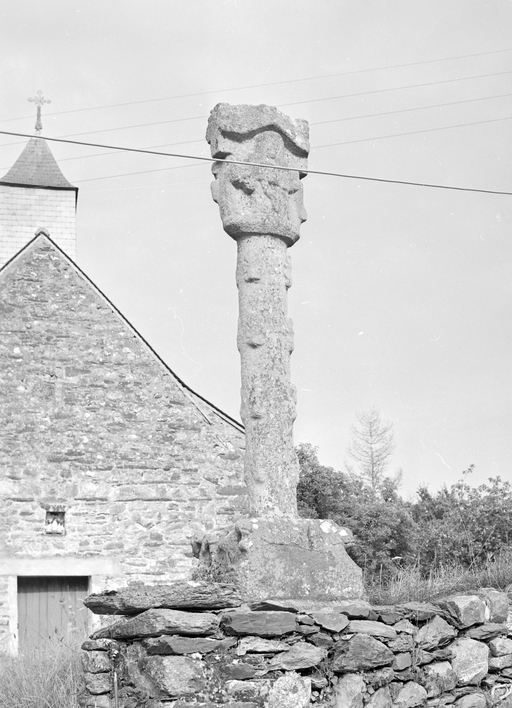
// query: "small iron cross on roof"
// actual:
[[39, 101]]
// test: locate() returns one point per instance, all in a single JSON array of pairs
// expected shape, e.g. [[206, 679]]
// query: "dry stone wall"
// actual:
[[191, 645]]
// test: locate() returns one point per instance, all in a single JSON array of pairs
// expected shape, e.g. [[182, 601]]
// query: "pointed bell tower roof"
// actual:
[[36, 167]]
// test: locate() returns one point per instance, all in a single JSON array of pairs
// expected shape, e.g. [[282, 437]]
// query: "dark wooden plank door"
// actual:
[[50, 608]]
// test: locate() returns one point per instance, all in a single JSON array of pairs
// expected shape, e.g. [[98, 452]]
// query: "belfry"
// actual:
[[34, 196]]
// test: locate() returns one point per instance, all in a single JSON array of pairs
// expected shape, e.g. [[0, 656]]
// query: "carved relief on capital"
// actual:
[[258, 200]]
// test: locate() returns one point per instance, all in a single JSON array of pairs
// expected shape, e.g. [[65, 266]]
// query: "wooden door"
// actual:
[[50, 608]]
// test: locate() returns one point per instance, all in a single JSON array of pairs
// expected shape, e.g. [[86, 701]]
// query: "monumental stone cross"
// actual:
[[273, 553], [262, 209]]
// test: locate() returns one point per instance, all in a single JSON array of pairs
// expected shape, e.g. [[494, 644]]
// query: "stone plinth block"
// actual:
[[282, 558]]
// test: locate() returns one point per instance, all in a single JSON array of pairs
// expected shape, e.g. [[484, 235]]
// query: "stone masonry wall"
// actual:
[[25, 209], [189, 645], [93, 423]]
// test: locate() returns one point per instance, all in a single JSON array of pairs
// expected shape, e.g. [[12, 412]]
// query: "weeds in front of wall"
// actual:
[[48, 676], [410, 584]]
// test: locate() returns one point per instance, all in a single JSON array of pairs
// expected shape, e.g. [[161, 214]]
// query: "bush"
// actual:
[[49, 676]]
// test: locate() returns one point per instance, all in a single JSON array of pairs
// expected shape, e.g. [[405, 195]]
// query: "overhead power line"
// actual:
[[323, 122], [408, 110], [270, 83], [313, 100], [395, 88], [259, 164], [413, 132]]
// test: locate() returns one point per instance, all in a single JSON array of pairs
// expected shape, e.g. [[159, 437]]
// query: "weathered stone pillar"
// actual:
[[274, 554], [261, 208]]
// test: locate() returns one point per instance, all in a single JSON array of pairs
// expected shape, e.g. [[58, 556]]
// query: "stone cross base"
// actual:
[[281, 558]]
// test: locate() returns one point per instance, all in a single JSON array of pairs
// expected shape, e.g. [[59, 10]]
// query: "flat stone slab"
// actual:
[[182, 595], [154, 623], [261, 624], [185, 645], [298, 657], [375, 629], [258, 645], [332, 621]]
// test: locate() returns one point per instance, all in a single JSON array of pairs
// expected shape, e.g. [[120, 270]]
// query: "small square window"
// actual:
[[54, 522]]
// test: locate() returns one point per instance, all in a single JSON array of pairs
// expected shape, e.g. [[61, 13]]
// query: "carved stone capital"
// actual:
[[258, 200]]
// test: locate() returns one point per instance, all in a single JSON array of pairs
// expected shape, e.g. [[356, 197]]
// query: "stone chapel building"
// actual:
[[109, 462]]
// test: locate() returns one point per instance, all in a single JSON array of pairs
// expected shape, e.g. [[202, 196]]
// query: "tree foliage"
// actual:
[[371, 447], [457, 526], [381, 526]]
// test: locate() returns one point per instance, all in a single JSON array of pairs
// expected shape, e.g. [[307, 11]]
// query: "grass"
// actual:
[[49, 676], [409, 584]]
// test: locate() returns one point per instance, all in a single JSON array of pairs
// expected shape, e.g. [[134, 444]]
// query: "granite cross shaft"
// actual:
[[261, 208], [39, 100]]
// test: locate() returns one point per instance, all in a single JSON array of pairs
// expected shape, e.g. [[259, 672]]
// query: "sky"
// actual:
[[401, 295]]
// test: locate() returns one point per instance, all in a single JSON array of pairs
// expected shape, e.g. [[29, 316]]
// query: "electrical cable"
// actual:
[[324, 122], [407, 110], [396, 88], [259, 164], [271, 83], [413, 132], [281, 105]]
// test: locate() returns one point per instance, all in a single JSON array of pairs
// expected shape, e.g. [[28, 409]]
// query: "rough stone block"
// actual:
[[472, 700], [435, 633], [470, 661], [283, 558], [496, 603], [411, 695], [402, 661], [360, 653], [500, 646], [97, 683], [176, 676], [380, 699], [349, 692], [85, 700], [438, 678], [464, 610], [290, 691], [95, 662], [497, 663]]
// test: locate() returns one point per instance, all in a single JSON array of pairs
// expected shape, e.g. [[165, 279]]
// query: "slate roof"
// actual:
[[36, 167]]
